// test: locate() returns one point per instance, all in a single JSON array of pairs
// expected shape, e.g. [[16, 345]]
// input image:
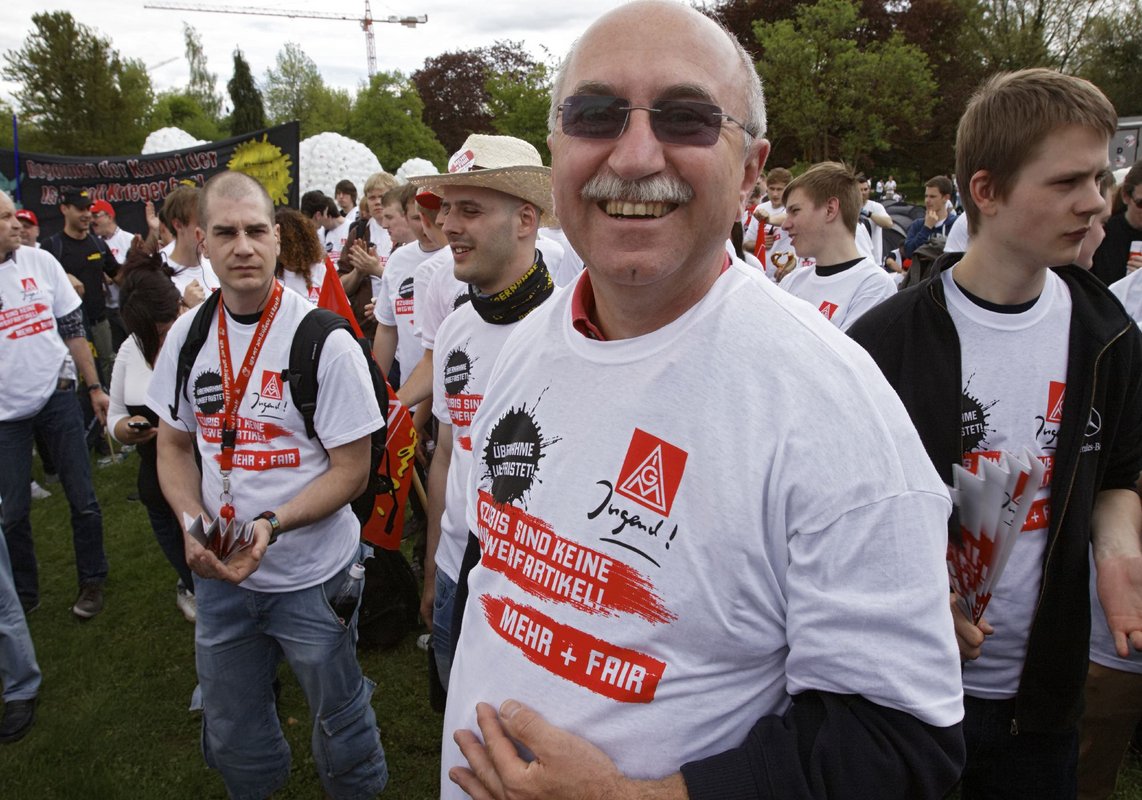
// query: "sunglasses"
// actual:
[[686, 122], [1137, 201]]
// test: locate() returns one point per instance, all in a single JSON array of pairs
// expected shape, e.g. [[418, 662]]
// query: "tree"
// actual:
[[387, 118], [249, 112], [831, 96], [294, 90], [1112, 56], [453, 87], [519, 107], [78, 94], [174, 109], [202, 86]]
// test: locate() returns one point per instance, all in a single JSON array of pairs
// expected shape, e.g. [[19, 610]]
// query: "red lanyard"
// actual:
[[234, 390]]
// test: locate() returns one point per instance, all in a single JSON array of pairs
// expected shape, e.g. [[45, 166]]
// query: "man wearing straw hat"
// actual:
[[679, 592], [494, 197]]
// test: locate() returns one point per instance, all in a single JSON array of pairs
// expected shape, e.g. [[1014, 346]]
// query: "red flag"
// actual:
[[385, 526]]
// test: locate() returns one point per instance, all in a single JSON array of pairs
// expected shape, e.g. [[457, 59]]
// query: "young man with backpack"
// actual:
[[281, 596], [1003, 350]]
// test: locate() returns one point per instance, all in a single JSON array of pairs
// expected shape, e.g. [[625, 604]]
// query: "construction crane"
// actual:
[[366, 22]]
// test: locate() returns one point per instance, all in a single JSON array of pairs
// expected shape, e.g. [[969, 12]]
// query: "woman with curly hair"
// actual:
[[301, 263]]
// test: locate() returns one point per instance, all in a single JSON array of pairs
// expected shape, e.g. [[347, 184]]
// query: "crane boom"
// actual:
[[366, 21]]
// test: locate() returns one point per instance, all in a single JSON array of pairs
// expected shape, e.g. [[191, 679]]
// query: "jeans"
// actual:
[[168, 533], [1001, 766], [442, 606], [60, 424], [19, 673], [240, 637], [104, 349]]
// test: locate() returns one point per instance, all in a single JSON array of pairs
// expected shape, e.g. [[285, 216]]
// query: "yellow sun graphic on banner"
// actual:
[[267, 164]]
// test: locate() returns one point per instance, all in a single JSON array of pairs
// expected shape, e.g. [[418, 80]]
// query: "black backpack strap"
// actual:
[[304, 355], [54, 245], [195, 338]]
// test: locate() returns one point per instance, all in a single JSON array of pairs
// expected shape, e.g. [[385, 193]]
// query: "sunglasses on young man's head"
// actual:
[[686, 122]]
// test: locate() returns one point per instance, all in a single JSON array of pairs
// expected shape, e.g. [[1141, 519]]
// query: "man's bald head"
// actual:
[[233, 185], [635, 15]]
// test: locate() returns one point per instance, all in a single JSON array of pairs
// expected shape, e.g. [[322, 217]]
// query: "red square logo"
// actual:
[[271, 385], [828, 309], [651, 472], [1055, 401], [29, 285]]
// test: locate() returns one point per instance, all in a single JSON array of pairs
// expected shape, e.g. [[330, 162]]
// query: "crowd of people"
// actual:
[[632, 591]]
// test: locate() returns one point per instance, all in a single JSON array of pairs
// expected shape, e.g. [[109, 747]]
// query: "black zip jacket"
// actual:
[[912, 338]]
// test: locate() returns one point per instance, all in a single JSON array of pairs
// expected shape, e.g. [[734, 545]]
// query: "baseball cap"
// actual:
[[102, 206], [29, 217], [75, 197]]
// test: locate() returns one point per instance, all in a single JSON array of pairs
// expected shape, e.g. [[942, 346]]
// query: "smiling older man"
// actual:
[[663, 607]]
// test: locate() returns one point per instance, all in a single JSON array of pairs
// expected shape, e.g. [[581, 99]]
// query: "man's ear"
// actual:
[[984, 192], [528, 217], [755, 158]]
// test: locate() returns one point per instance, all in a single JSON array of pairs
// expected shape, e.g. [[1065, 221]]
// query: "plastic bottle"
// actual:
[[345, 603]]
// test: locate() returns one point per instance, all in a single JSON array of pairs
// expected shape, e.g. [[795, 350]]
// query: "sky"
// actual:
[[336, 46]]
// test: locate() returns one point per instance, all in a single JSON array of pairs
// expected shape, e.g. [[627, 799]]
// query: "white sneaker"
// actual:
[[423, 640], [184, 599], [39, 492]]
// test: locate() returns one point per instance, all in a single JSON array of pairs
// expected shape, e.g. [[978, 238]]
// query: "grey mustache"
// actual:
[[655, 189]]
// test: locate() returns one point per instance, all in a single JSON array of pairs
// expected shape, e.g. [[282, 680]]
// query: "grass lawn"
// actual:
[[113, 720]]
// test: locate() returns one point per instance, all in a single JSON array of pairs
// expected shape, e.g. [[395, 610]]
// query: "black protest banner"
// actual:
[[129, 182]]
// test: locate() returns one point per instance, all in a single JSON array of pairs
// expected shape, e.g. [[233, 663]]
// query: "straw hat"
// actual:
[[503, 163]]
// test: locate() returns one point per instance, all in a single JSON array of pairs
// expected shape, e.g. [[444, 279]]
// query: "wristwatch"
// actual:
[[275, 526], [91, 387]]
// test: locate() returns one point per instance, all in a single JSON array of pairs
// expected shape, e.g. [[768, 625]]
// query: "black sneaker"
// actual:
[[90, 600], [18, 718]]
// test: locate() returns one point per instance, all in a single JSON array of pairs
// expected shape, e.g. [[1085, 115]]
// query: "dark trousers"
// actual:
[[1002, 765]]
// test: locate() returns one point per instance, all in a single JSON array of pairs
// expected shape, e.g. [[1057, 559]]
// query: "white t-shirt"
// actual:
[[657, 584], [130, 379], [781, 247], [274, 460], [203, 273], [34, 290], [567, 268], [396, 303], [1014, 372], [1128, 290], [958, 238], [383, 243], [119, 243], [423, 277], [443, 295], [466, 350], [296, 282], [876, 233], [843, 297], [335, 239]]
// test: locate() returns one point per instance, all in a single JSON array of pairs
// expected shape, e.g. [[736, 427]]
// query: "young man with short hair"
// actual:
[[937, 220], [1002, 350], [272, 601], [1120, 253], [875, 219], [193, 274], [780, 257], [822, 211]]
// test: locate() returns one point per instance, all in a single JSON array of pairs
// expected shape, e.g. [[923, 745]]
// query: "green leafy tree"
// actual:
[[1112, 58], [294, 90], [182, 110], [453, 87], [519, 107], [203, 82], [834, 98], [78, 94], [249, 112], [1014, 34], [387, 118]]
